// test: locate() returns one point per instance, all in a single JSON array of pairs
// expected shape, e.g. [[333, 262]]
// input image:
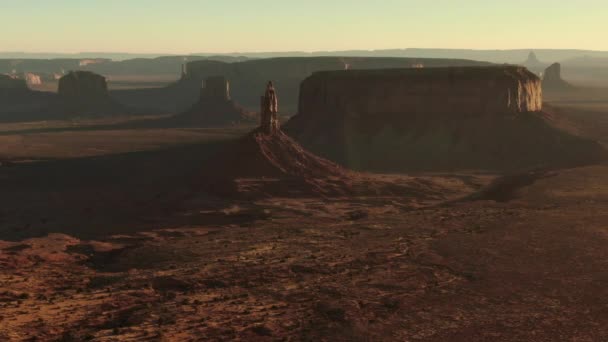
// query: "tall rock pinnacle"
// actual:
[[269, 110]]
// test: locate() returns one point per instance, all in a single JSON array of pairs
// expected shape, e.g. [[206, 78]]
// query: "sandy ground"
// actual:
[[110, 246]]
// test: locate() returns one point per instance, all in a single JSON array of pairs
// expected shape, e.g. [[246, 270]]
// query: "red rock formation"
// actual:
[[432, 119], [269, 109], [262, 164], [85, 93], [274, 163], [426, 91]]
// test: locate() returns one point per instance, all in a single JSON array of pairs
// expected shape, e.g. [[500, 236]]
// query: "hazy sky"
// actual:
[[189, 26]]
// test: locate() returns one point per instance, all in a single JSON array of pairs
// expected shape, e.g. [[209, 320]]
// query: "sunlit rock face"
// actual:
[[83, 86], [431, 91], [432, 119]]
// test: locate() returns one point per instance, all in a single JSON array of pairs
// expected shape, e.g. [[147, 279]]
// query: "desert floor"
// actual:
[[105, 236]]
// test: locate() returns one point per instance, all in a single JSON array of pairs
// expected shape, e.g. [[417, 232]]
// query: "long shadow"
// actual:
[[157, 123], [99, 196]]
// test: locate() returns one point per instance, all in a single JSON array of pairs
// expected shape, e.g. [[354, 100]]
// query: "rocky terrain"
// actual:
[[116, 231], [422, 267], [434, 119]]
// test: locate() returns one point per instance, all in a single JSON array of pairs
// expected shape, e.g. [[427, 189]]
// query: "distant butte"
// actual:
[[215, 106], [552, 79], [86, 93]]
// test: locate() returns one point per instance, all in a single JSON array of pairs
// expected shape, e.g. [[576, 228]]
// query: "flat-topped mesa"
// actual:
[[422, 92], [83, 86], [269, 108], [215, 89]]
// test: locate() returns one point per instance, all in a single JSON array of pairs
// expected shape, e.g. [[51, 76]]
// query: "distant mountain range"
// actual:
[[495, 56]]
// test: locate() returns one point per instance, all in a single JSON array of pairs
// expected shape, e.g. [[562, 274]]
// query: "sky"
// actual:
[[223, 26]]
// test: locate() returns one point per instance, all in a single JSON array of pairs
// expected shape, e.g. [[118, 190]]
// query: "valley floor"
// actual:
[[108, 247]]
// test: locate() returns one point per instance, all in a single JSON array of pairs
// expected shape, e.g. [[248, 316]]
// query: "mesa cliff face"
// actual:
[[432, 91], [432, 119]]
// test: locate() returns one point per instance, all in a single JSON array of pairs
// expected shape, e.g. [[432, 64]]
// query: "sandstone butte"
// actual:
[[433, 119], [428, 91]]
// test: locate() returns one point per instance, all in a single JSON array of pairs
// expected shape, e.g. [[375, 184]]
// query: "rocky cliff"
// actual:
[[431, 119], [426, 91]]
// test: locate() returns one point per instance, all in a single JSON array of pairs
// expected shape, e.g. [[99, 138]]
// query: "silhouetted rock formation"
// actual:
[[268, 162], [86, 93], [214, 108], [83, 86], [269, 107], [262, 165], [534, 64], [431, 119], [10, 83], [552, 78]]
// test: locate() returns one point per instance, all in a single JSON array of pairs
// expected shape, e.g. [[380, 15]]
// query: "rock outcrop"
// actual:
[[215, 107], [432, 119], [269, 107], [552, 78], [83, 87]]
